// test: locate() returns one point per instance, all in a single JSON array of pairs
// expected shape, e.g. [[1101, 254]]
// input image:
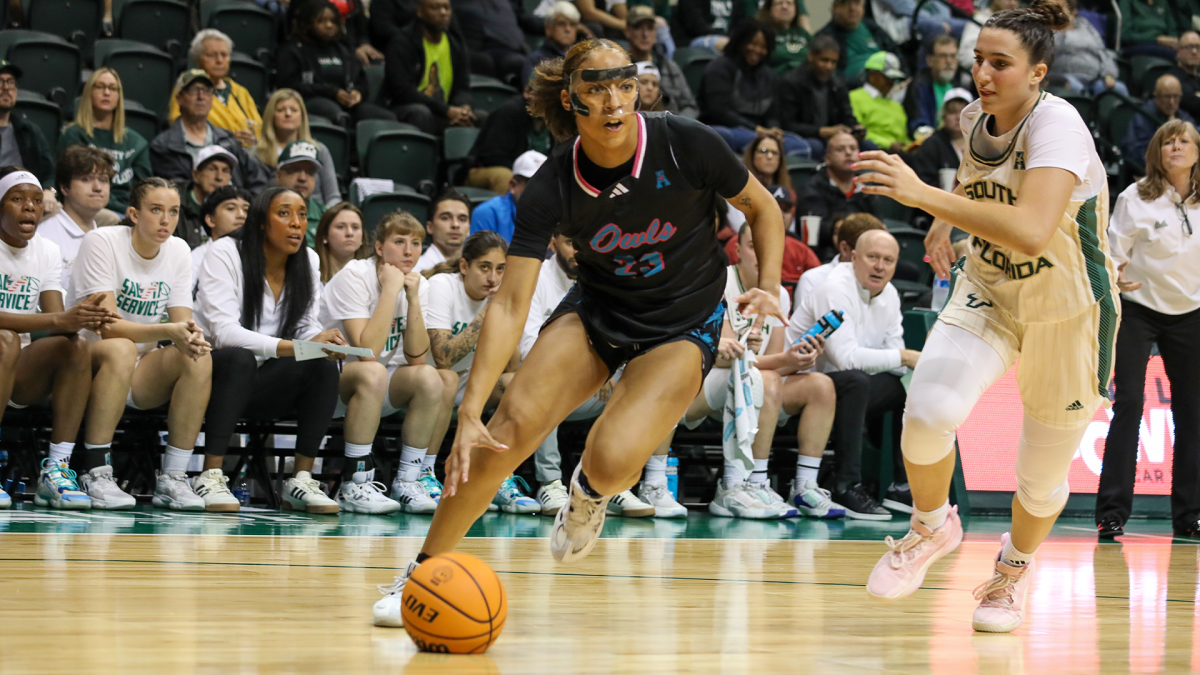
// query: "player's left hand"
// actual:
[[889, 176], [761, 305]]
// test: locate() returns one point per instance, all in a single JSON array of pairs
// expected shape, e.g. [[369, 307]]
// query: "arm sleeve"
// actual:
[[842, 349], [538, 214], [95, 269], [710, 163], [219, 297], [483, 218], [437, 310], [1122, 230], [423, 294]]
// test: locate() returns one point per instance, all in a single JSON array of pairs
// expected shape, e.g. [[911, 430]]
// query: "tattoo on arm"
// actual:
[[448, 350], [746, 202]]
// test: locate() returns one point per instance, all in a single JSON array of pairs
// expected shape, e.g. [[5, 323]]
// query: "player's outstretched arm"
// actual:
[[1025, 226], [765, 221]]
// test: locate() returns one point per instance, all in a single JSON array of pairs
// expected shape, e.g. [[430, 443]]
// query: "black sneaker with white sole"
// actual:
[[898, 498], [860, 505]]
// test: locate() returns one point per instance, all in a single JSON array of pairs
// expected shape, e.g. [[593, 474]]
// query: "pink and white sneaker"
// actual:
[[902, 569], [1002, 598]]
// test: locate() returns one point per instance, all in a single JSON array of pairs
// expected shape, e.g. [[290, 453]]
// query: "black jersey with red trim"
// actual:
[[650, 266]]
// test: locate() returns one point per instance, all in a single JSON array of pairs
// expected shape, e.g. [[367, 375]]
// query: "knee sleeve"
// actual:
[[955, 368], [1043, 461]]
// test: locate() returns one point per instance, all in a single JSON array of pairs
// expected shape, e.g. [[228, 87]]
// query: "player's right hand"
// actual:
[[471, 434], [938, 250], [1123, 283], [89, 313]]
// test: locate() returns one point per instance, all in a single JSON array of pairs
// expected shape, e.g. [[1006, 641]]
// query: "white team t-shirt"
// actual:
[[353, 293], [198, 254], [553, 284], [741, 324], [65, 232], [144, 288], [450, 308], [26, 273], [431, 257]]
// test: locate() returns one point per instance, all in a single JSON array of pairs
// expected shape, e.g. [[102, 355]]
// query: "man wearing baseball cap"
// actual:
[[213, 168], [498, 213], [944, 147], [884, 118], [642, 32], [173, 152], [924, 97], [798, 258], [297, 169], [21, 143]]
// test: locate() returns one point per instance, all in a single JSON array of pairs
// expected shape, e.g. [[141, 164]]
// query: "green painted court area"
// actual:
[[26, 518]]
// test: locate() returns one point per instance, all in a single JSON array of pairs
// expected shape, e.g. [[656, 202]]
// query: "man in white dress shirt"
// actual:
[[845, 237]]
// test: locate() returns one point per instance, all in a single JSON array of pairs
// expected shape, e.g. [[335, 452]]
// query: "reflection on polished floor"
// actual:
[[269, 592]]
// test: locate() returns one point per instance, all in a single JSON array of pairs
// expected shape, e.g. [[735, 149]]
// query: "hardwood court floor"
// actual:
[[268, 592]]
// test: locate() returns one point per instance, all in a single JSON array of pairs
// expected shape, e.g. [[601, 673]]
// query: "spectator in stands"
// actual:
[[449, 226], [173, 152], [233, 108], [499, 213], [214, 169], [1080, 58], [1158, 110], [22, 143], [428, 73], [460, 289], [316, 63], [389, 18], [493, 36], [935, 19], [798, 258], [789, 18], [924, 96], [814, 102], [885, 119], [143, 275], [608, 21], [1155, 253], [1187, 71], [944, 147], [845, 237], [641, 30], [562, 30], [704, 24], [286, 120], [357, 32], [340, 239], [764, 158], [857, 38], [970, 33], [224, 212], [507, 133], [865, 358], [59, 364], [1148, 27], [258, 296], [82, 176], [834, 192], [738, 94], [100, 123], [297, 169], [649, 90]]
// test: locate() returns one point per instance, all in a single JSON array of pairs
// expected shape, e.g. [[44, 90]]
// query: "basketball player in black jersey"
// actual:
[[636, 193]]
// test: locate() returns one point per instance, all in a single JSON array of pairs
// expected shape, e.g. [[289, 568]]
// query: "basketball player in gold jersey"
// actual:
[[1038, 284]]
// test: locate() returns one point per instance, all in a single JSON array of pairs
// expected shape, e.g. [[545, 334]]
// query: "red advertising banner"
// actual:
[[988, 439]]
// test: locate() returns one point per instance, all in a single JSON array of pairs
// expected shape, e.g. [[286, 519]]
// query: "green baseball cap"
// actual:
[[886, 63]]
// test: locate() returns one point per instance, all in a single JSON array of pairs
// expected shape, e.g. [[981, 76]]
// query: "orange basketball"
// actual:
[[454, 604]]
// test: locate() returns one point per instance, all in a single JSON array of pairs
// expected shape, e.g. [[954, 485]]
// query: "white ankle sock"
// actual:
[[807, 468], [176, 459], [733, 474], [1011, 556], [656, 470], [427, 462], [61, 452], [411, 460], [935, 518], [759, 475]]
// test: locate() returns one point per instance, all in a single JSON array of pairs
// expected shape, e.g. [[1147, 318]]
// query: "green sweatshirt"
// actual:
[[1143, 21], [885, 120], [131, 157]]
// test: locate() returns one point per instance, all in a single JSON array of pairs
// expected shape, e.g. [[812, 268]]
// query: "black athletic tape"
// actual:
[[619, 73]]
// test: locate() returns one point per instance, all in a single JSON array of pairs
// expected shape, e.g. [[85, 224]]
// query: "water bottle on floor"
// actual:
[[673, 474], [241, 488], [941, 293]]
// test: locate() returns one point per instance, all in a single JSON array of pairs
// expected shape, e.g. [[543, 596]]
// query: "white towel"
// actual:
[[742, 406]]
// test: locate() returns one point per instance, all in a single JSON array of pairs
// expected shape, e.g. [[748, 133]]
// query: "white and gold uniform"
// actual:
[[1057, 311]]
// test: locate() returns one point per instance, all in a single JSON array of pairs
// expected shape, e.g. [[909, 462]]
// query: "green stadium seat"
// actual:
[[251, 28], [43, 114], [165, 24], [142, 120], [487, 96], [366, 131], [147, 73], [1139, 66], [476, 196], [890, 209], [337, 139], [693, 62], [77, 21], [376, 206], [456, 145], [51, 64], [912, 249], [252, 75], [801, 170], [406, 157]]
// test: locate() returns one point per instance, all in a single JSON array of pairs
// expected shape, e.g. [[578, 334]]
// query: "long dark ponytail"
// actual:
[[297, 282]]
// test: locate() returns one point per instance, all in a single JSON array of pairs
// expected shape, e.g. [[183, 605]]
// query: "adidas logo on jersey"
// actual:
[[1075, 406], [618, 191]]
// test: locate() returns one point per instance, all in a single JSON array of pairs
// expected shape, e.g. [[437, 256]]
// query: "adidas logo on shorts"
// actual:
[[1075, 406]]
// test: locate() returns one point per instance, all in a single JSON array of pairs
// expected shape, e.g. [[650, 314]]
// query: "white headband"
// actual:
[[18, 178]]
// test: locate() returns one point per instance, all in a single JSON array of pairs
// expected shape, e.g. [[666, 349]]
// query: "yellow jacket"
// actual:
[[237, 115]]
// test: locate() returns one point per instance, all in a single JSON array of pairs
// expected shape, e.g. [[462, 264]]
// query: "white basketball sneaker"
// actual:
[[740, 501], [412, 495], [104, 491], [662, 500], [813, 501], [303, 493], [577, 525], [388, 608], [366, 497], [213, 487], [57, 488], [552, 496], [625, 505], [172, 491], [767, 495]]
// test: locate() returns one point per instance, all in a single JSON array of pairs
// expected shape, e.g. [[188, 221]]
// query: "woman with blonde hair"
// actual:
[[285, 119], [1151, 234], [100, 123], [233, 107], [339, 239]]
